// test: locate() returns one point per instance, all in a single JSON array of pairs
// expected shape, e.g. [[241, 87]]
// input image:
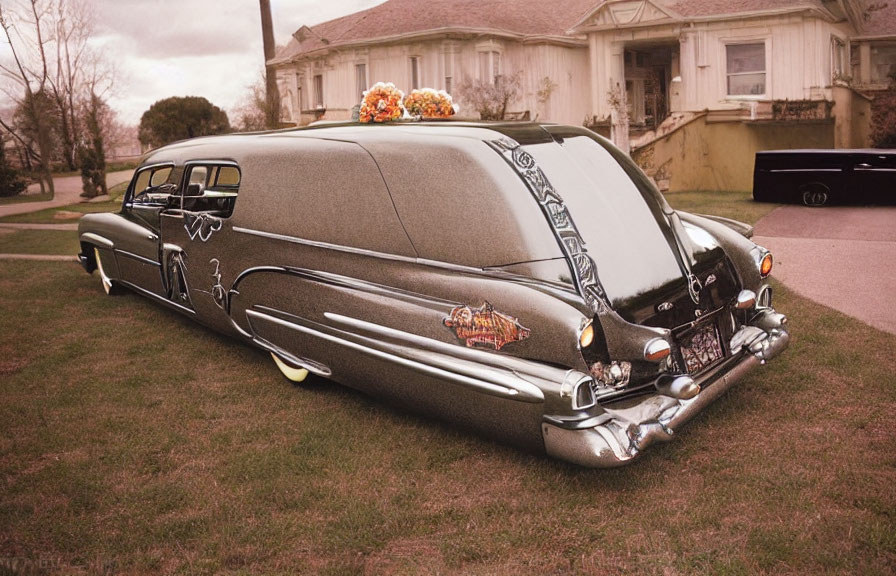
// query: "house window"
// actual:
[[490, 66], [361, 79], [883, 63], [300, 100], [318, 91], [448, 85], [746, 69], [415, 72]]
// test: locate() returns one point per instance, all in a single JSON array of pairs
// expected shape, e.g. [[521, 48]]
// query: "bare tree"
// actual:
[[491, 99], [272, 109], [32, 76], [73, 25], [251, 112], [56, 79]]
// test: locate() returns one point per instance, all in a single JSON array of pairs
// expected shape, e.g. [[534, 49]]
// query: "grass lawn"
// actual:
[[22, 198], [736, 205], [39, 242], [138, 442]]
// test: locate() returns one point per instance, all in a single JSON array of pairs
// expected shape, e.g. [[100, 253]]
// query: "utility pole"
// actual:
[[272, 94]]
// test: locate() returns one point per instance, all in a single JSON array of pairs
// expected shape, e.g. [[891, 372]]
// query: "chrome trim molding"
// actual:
[[367, 286], [560, 220], [490, 272], [519, 366], [97, 240], [807, 170], [299, 362], [154, 296], [325, 245], [137, 257], [484, 379]]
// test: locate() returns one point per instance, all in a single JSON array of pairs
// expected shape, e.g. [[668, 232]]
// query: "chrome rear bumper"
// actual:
[[628, 427]]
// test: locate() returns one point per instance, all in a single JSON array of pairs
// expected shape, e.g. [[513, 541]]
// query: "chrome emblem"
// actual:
[[710, 279], [664, 307], [694, 287]]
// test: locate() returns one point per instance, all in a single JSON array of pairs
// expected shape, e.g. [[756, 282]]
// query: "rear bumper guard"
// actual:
[[629, 427]]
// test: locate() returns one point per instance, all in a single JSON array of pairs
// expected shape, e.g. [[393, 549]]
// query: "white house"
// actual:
[[729, 71]]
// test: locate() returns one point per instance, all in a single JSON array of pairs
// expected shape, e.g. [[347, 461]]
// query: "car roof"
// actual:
[[232, 146]]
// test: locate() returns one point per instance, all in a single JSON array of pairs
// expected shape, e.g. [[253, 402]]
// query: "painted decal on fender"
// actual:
[[485, 326]]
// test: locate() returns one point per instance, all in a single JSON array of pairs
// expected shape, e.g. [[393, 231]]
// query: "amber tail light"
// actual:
[[765, 265]]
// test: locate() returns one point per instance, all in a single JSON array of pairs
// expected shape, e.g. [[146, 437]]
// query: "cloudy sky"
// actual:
[[207, 48]]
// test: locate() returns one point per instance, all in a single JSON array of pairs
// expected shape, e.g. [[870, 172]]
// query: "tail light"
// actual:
[[586, 337], [765, 265]]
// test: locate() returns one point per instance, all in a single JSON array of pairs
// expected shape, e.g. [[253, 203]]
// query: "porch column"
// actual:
[[865, 62], [688, 71], [617, 97]]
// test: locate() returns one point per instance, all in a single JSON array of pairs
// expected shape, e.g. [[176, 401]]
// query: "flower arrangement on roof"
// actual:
[[429, 103], [381, 103]]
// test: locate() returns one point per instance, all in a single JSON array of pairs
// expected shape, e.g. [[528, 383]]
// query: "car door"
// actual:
[[137, 248], [191, 229], [874, 178]]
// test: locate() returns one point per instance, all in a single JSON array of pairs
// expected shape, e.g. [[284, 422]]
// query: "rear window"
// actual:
[[616, 218]]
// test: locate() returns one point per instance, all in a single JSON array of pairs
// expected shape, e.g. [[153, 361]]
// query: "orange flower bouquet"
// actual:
[[382, 103], [429, 103]]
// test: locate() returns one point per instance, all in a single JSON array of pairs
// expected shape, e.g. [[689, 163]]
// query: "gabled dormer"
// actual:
[[626, 14]]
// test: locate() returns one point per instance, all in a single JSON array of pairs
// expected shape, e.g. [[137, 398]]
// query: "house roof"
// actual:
[[533, 19], [395, 18], [698, 8], [879, 20]]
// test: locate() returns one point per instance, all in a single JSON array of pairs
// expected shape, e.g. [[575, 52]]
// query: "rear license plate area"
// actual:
[[700, 347]]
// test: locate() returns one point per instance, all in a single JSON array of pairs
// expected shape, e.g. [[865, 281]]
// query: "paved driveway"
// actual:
[[67, 191], [843, 257]]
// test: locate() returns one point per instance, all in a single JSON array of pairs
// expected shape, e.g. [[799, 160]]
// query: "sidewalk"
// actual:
[[68, 191]]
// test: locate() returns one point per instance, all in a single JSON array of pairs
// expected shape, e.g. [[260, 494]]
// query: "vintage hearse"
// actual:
[[819, 177], [520, 279]]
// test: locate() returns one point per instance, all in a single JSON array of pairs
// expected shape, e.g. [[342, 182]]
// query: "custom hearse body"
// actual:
[[819, 177], [524, 280]]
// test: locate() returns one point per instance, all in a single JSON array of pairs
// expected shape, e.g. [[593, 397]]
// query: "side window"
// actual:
[[211, 188], [150, 185]]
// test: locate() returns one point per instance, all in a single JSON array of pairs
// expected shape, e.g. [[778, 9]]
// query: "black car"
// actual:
[[819, 177]]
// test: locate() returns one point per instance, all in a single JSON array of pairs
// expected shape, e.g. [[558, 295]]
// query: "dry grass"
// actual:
[[138, 442], [59, 242], [21, 198], [736, 205], [136, 437]]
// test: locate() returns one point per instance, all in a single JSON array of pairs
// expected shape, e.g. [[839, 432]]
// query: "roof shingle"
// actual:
[[529, 18], [397, 17]]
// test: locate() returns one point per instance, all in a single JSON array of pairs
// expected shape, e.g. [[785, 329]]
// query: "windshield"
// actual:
[[617, 216]]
